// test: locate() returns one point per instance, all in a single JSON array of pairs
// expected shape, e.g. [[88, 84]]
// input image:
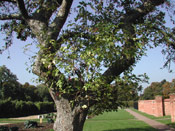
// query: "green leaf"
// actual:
[[59, 83]]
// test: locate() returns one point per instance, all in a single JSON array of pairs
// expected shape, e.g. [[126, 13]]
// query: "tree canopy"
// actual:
[[163, 88], [10, 88], [99, 46]]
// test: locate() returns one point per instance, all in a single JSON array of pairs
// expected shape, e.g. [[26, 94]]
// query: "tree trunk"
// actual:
[[68, 119]]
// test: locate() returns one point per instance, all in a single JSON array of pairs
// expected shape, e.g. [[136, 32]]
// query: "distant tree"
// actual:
[[78, 63], [9, 86], [43, 93], [29, 92], [151, 91], [173, 86], [166, 89], [163, 88], [6, 76]]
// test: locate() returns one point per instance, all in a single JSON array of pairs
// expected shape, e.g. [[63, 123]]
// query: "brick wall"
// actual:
[[159, 106], [167, 107], [147, 106]]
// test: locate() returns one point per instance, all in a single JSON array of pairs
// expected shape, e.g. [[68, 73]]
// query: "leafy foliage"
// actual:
[[15, 108], [30, 124], [163, 88], [11, 88], [101, 45]]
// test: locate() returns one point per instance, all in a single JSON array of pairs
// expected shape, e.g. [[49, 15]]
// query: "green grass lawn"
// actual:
[[116, 121]]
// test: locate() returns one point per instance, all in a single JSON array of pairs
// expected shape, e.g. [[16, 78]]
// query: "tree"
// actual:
[[43, 93], [6, 76], [78, 63], [30, 92], [151, 91], [8, 83], [163, 88], [166, 89]]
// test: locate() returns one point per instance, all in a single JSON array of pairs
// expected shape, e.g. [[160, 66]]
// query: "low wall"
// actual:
[[158, 107]]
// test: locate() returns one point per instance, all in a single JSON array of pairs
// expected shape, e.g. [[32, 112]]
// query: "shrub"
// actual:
[[131, 104], [6, 107], [3, 128], [50, 117], [45, 107], [13, 128], [30, 124]]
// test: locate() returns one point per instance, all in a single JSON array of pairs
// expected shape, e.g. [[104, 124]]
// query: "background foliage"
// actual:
[[19, 100], [163, 88]]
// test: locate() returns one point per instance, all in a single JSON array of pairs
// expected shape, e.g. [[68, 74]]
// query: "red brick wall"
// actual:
[[172, 107], [147, 106], [167, 107], [159, 107]]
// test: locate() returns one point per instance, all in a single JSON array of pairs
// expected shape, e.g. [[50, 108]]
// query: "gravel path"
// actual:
[[153, 123], [27, 117]]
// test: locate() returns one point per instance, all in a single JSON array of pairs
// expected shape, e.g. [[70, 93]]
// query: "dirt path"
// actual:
[[27, 117], [153, 123], [23, 118]]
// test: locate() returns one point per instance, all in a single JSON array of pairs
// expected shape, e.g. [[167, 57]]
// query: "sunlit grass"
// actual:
[[8, 120], [116, 121]]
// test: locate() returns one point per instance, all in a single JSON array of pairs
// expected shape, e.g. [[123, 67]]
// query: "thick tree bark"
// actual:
[[69, 119]]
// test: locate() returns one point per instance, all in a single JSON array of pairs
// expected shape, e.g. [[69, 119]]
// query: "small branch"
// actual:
[[170, 35], [22, 9], [11, 16]]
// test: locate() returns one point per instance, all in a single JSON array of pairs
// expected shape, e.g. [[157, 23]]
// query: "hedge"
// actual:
[[17, 108], [130, 104]]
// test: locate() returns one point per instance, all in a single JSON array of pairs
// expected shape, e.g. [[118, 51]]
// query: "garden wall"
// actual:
[[158, 107]]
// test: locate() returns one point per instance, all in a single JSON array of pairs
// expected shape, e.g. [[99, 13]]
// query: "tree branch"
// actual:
[[11, 16], [22, 9], [130, 18], [148, 6], [44, 12], [57, 24]]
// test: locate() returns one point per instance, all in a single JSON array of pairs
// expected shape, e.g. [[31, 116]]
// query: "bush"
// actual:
[[13, 129], [132, 104], [6, 108], [3, 128], [50, 117], [45, 107], [25, 108], [30, 124]]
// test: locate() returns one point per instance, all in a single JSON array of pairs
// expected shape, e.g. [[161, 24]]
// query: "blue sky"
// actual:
[[149, 64]]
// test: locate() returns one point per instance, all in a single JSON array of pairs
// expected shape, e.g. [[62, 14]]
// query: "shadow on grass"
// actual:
[[134, 129], [171, 125]]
